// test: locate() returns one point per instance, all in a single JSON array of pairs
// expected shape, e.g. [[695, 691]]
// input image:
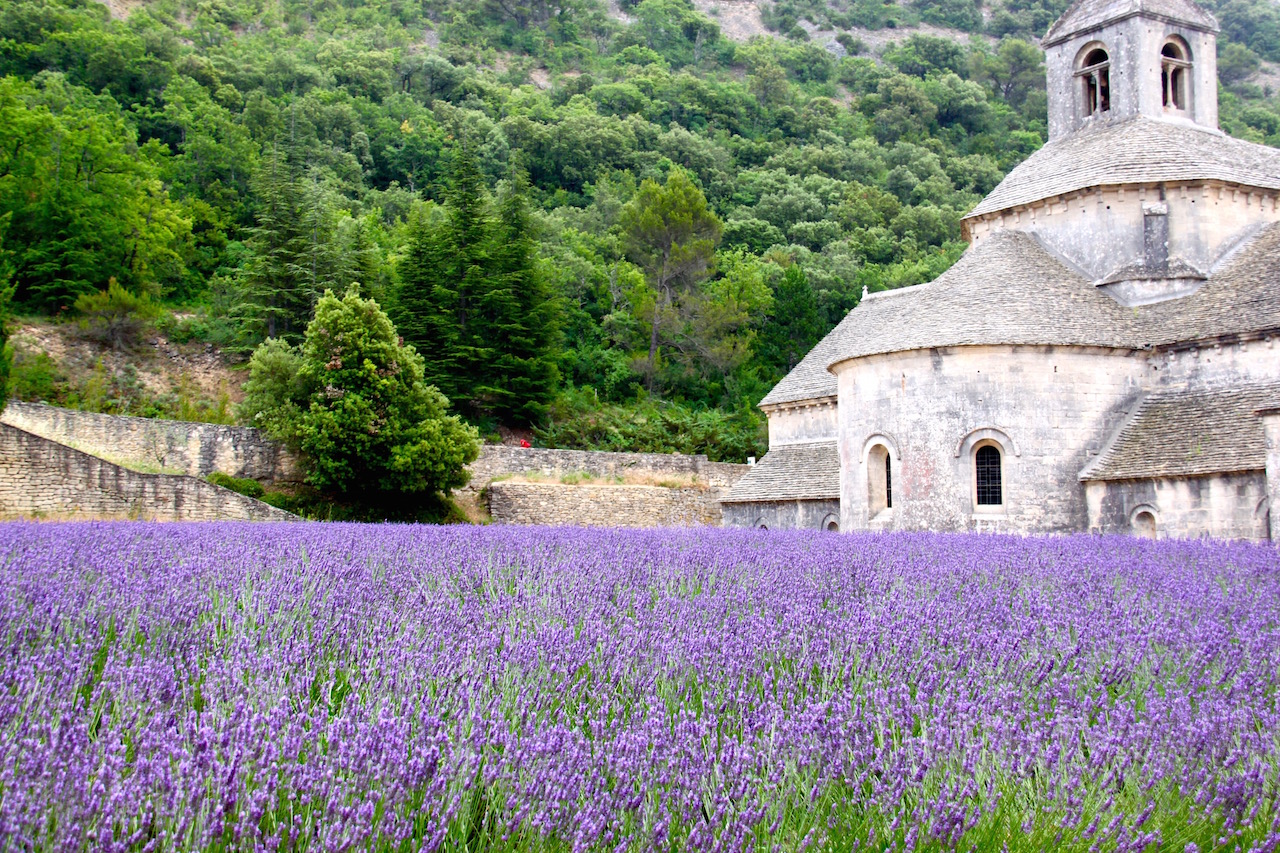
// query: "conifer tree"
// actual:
[[290, 262], [794, 326], [474, 303], [522, 317]]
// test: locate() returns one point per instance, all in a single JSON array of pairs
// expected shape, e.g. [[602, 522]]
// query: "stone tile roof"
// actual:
[[1130, 151], [1009, 290], [791, 472], [1181, 433], [1085, 15], [1241, 296]]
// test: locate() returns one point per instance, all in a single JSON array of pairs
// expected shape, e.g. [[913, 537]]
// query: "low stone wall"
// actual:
[[194, 448], [603, 506], [497, 461], [42, 478]]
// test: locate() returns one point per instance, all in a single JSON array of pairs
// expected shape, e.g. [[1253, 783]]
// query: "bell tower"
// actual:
[[1108, 60]]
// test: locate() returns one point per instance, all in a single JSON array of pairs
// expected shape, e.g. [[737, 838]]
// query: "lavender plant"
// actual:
[[343, 687]]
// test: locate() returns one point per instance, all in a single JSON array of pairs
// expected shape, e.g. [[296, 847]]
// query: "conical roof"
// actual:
[[1136, 150]]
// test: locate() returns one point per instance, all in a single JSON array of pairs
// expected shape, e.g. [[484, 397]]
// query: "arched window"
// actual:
[[879, 480], [830, 523], [1175, 72], [1144, 525], [988, 480], [1095, 77]]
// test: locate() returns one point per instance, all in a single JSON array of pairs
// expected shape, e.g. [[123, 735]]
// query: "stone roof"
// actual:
[[1242, 296], [1182, 433], [1133, 151], [791, 472], [1009, 290], [1085, 15], [1005, 290]]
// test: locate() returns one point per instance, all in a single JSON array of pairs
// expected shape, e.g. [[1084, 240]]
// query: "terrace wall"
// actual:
[[194, 448], [497, 461], [200, 449], [42, 478], [603, 506]]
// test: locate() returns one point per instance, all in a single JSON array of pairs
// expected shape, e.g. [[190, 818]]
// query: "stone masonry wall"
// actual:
[[496, 461], [40, 477], [602, 506], [195, 448], [200, 449], [1227, 506], [1271, 424]]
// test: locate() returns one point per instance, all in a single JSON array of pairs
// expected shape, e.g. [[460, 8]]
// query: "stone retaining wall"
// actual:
[[42, 478], [499, 460], [194, 448], [603, 506]]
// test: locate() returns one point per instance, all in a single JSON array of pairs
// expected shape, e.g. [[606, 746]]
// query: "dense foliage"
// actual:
[[307, 687], [239, 157], [352, 401]]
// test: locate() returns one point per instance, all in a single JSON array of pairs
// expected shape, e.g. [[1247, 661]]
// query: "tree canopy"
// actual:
[[559, 201], [352, 400]]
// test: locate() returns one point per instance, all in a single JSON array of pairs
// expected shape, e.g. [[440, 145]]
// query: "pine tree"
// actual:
[[442, 284], [421, 312], [523, 319], [473, 301], [290, 263], [795, 325], [6, 297]]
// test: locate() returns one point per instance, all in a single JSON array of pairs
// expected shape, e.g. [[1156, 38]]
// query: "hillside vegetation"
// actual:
[[607, 223]]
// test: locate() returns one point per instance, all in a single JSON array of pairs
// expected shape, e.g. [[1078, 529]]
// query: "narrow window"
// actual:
[[986, 463], [1174, 68], [879, 484], [1096, 78]]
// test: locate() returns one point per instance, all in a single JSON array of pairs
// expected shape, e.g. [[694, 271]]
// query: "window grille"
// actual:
[[888, 484], [987, 471]]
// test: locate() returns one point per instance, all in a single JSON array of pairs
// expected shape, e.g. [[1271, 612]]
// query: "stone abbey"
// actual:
[[1104, 356]]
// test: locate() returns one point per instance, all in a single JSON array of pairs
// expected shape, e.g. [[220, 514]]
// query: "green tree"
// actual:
[[473, 298], [521, 319], [794, 325], [352, 400], [87, 202], [442, 284], [6, 297], [672, 235], [289, 261]]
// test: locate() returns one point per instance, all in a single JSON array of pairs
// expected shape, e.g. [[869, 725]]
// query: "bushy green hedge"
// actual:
[[579, 423], [243, 485]]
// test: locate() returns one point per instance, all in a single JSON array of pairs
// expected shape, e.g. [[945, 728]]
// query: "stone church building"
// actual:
[[1102, 358]]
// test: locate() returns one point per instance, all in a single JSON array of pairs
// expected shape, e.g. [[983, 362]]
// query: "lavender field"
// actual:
[[344, 687]]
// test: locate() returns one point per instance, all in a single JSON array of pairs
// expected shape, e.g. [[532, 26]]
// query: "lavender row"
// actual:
[[336, 687]]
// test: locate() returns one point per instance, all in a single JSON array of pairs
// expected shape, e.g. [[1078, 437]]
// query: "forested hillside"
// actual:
[[608, 222]]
